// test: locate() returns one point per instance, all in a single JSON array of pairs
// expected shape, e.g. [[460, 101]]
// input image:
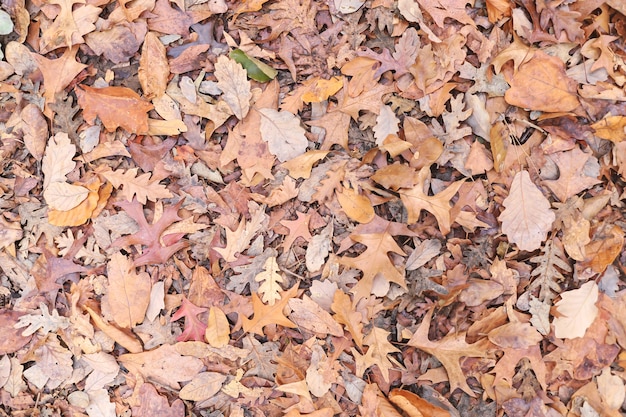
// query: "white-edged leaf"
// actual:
[[63, 196], [283, 133], [577, 309], [232, 79]]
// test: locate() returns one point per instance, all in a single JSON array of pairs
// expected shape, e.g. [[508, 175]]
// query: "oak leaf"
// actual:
[[542, 84], [154, 69], [307, 314], [442, 9], [345, 314], [150, 234], [194, 328], [449, 351], [57, 74], [527, 217], [298, 228], [611, 128], [357, 206], [378, 349], [203, 386], [271, 280], [136, 186], [375, 262], [57, 160], [269, 314], [577, 310], [218, 330], [283, 133], [300, 166], [116, 107], [415, 200], [233, 81], [572, 176], [151, 404], [128, 292]]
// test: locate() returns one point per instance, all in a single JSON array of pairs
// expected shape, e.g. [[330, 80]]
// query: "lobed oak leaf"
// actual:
[[527, 217], [298, 228], [269, 314], [57, 160], [134, 186], [442, 9], [415, 200], [375, 262], [386, 124], [271, 280], [194, 328], [57, 74], [345, 314], [572, 176], [378, 349], [116, 107], [150, 234], [449, 351]]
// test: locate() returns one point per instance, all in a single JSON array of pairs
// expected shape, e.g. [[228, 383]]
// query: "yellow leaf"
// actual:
[[611, 128], [218, 330], [270, 278], [357, 206], [321, 89]]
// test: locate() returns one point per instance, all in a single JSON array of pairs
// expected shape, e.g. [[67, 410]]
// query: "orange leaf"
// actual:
[[116, 107], [269, 314], [357, 206], [542, 84], [611, 128]]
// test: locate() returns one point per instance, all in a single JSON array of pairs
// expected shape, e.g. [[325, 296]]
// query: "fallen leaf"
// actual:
[[283, 133], [527, 217], [128, 292], [269, 314], [577, 310], [233, 81]]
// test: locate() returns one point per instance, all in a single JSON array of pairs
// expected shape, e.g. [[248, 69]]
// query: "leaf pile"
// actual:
[[306, 207]]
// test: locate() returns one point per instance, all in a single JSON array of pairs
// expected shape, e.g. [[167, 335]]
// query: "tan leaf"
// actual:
[[379, 348], [611, 128], [271, 279], [357, 206], [527, 217], [345, 314], [415, 406], [35, 130], [232, 79], [116, 107], [218, 330], [63, 196], [269, 314], [203, 386], [129, 292], [57, 161], [386, 124], [577, 310], [154, 69], [283, 133], [307, 314], [300, 166], [85, 210], [541, 84], [133, 185]]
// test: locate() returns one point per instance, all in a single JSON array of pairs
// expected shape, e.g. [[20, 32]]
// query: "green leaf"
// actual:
[[256, 69], [6, 25]]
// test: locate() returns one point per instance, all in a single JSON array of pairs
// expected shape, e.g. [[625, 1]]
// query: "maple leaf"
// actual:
[[269, 314], [527, 217], [449, 351], [415, 200], [150, 234], [194, 327], [375, 262]]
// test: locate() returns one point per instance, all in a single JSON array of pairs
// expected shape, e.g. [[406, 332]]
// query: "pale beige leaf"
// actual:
[[57, 161], [133, 185], [203, 386], [271, 279], [218, 330], [63, 196], [35, 129], [611, 389], [232, 79], [386, 124], [307, 314], [527, 217], [129, 292], [577, 310], [283, 133]]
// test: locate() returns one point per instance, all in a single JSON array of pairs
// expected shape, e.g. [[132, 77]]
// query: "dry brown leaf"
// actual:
[[128, 292], [154, 70], [283, 133], [218, 330], [232, 79]]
